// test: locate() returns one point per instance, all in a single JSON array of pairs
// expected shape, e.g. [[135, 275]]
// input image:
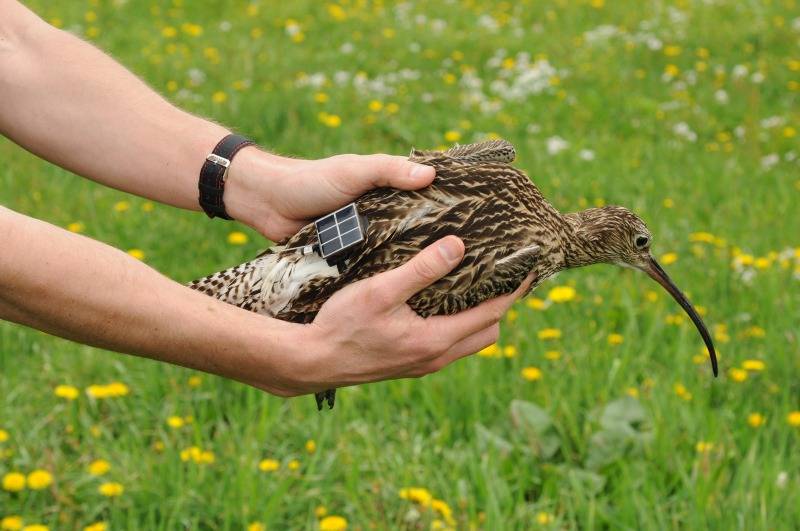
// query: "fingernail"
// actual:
[[419, 171], [450, 250]]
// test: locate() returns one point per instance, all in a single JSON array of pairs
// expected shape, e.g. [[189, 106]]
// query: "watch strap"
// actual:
[[214, 172]]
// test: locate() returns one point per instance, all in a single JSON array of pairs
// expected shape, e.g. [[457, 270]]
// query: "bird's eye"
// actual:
[[642, 241]]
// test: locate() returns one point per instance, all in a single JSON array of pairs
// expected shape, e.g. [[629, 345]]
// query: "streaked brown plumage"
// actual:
[[509, 231]]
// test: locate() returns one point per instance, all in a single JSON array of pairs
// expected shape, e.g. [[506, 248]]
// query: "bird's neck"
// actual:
[[578, 249]]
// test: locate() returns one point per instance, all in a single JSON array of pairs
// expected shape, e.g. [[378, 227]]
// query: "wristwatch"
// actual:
[[215, 171]]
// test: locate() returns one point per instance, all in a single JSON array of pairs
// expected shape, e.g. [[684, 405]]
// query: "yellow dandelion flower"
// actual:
[[452, 136], [508, 63], [669, 258], [509, 351], [76, 227], [793, 418], [237, 238], [531, 374], [193, 30], [755, 331], [169, 32], [219, 97], [194, 381], [552, 355], [66, 391], [136, 253], [375, 106], [671, 71], [158, 446], [615, 339], [549, 333], [682, 392], [175, 422], [561, 294], [35, 527], [535, 303], [336, 12], [111, 489], [632, 391], [97, 526], [99, 467], [753, 365], [39, 479], [762, 263], [543, 518], [311, 446], [14, 482], [269, 465], [703, 447], [737, 375], [417, 494], [392, 108], [294, 464], [3, 435], [321, 97], [756, 420], [789, 132], [702, 237], [11, 523], [449, 78], [491, 351], [597, 4], [90, 16], [206, 457], [172, 85], [672, 51], [122, 206], [333, 523], [511, 315], [256, 526], [320, 511]]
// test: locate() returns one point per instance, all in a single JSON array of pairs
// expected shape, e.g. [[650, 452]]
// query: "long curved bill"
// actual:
[[659, 275]]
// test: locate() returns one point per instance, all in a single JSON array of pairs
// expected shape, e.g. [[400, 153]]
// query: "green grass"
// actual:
[[452, 433]]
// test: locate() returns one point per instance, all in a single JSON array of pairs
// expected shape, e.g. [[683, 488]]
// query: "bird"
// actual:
[[509, 230]]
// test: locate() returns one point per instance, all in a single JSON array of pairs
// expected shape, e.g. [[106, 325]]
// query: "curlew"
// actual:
[[509, 230]]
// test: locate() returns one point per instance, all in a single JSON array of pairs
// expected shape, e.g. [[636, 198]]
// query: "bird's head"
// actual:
[[615, 235]]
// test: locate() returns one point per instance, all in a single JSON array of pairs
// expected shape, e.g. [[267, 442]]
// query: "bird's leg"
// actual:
[[328, 395]]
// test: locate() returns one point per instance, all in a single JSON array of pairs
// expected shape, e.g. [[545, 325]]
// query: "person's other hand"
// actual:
[[366, 332], [277, 196]]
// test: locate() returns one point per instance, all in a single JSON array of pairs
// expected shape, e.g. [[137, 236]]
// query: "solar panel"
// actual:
[[340, 231]]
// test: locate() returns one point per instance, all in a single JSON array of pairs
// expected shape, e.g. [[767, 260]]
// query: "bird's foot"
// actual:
[[329, 396]]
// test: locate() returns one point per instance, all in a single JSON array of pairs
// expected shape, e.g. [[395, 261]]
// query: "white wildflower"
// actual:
[[721, 96], [586, 154], [556, 144], [768, 161]]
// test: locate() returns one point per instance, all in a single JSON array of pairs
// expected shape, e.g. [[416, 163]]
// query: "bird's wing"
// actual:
[[490, 151]]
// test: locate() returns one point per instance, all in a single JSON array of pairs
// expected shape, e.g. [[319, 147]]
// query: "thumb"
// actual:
[[428, 266], [393, 171]]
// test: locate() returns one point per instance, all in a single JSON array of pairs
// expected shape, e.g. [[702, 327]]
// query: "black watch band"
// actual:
[[214, 172]]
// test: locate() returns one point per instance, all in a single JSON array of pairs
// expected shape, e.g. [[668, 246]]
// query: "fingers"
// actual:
[[428, 266], [370, 171]]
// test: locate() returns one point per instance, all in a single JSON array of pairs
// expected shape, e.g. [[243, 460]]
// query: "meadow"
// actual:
[[596, 409]]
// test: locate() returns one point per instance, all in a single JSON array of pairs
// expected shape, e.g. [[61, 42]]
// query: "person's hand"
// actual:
[[277, 196], [366, 332]]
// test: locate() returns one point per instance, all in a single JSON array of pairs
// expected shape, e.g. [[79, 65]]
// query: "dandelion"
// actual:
[[452, 136], [294, 464], [112, 390], [169, 32], [269, 465], [136, 253], [793, 418], [256, 526], [99, 467], [535, 303], [509, 351], [35, 527], [703, 447], [543, 518], [375, 106], [549, 333], [11, 523], [632, 392], [755, 331], [789, 132], [97, 526], [392, 108], [682, 392], [753, 365], [672, 51], [737, 375], [14, 482], [320, 511], [756, 420], [561, 294], [111, 489], [417, 494], [77, 227], [3, 435], [237, 238], [219, 97], [66, 391], [330, 120], [531, 374], [668, 202], [669, 258], [333, 523], [194, 381], [552, 355], [39, 479], [311, 446], [122, 206], [490, 352], [175, 422], [615, 339]]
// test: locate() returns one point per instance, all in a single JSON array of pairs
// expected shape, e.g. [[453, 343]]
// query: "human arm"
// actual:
[[74, 287], [70, 103]]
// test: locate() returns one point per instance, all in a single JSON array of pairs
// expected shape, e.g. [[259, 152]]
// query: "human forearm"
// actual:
[[77, 288], [73, 105]]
